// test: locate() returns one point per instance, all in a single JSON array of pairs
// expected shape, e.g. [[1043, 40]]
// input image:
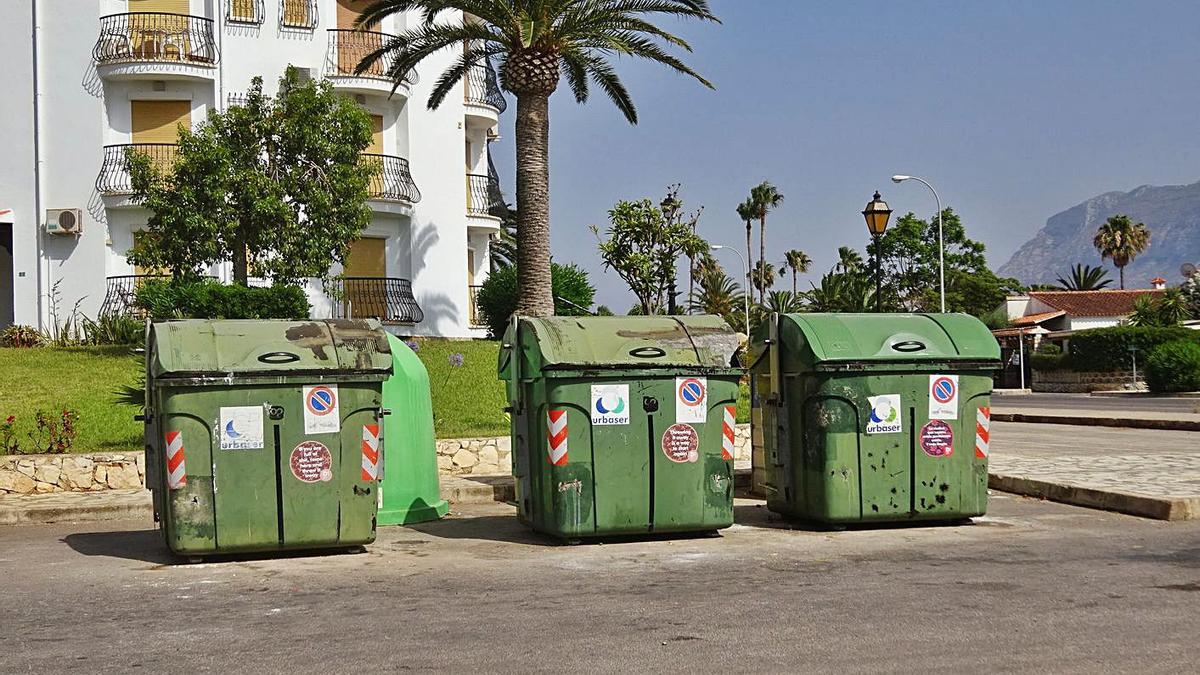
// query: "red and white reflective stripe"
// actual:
[[727, 438], [983, 434], [370, 452], [176, 471], [556, 434]]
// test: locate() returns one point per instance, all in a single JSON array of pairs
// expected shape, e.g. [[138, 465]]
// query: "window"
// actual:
[[298, 13], [244, 11]]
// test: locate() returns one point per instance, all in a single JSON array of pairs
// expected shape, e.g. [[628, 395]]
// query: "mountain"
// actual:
[[1170, 212]]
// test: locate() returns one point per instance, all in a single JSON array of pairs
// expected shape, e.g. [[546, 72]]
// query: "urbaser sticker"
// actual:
[[885, 416], [610, 404], [241, 427]]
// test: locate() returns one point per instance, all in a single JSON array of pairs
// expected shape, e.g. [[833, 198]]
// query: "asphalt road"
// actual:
[[1033, 586], [1016, 402]]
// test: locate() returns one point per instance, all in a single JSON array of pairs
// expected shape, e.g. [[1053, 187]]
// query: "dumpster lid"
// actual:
[[197, 346], [636, 342], [896, 337]]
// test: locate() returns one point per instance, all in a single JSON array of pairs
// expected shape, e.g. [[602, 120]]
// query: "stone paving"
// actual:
[[1143, 472]]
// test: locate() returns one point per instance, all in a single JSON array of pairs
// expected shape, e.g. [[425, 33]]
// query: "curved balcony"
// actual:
[[347, 48], [155, 45], [483, 102], [392, 182], [114, 170], [388, 299], [485, 203]]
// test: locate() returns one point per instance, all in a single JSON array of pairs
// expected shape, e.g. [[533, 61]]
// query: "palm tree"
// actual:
[[1085, 278], [840, 292], [537, 42], [718, 294], [745, 211], [763, 277], [799, 262], [765, 198], [1122, 240], [849, 260]]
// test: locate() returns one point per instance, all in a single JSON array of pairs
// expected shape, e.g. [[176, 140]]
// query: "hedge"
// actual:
[[1174, 366], [497, 299], [1107, 349], [210, 299]]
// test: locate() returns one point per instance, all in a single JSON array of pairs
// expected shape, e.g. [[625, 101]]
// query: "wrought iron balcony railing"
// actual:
[[383, 298], [392, 181], [474, 316], [155, 37], [347, 48], [114, 171], [484, 197], [483, 88], [121, 291]]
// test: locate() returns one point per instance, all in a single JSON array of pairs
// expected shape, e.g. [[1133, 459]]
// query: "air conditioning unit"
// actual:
[[64, 221]]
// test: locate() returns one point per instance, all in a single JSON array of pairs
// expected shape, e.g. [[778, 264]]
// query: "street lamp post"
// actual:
[[899, 178], [877, 214], [746, 272]]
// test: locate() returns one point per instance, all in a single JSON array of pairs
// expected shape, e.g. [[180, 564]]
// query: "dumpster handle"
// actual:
[[276, 358], [908, 346], [647, 352]]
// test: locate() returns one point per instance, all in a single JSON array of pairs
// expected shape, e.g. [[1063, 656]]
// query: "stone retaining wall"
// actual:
[[1072, 382], [28, 474]]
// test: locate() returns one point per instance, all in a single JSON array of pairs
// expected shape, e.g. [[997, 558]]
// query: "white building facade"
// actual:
[[86, 79]]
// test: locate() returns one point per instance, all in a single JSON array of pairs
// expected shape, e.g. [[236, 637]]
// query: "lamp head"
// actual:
[[877, 214], [899, 178]]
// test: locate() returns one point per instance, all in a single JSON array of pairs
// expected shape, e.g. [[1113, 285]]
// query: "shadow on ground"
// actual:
[[148, 546]]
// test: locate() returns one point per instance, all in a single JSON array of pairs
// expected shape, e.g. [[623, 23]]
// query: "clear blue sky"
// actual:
[[1015, 110]]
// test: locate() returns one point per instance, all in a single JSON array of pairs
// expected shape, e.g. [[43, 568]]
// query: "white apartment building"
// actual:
[[86, 78]]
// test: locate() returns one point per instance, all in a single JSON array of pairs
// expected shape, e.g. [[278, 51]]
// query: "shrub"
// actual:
[[1174, 366], [1048, 362], [114, 329], [210, 299], [1107, 349], [22, 336], [497, 299]]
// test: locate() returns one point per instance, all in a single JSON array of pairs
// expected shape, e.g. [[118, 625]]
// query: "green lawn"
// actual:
[[79, 378], [468, 400]]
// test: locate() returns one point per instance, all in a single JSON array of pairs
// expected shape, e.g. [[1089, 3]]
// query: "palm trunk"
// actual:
[[762, 259], [534, 295], [1121, 269], [793, 281]]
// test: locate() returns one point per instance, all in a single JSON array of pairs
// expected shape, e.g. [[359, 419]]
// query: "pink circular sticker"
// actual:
[[681, 443], [311, 462], [937, 439]]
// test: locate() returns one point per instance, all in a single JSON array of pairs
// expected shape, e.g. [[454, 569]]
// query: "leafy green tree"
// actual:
[[1085, 278], [798, 262], [277, 184], [497, 299], [764, 198], [909, 255], [1121, 240], [643, 248], [1191, 291], [1169, 309], [537, 41]]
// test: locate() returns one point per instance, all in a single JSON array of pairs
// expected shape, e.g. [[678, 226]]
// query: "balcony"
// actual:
[[114, 170], [485, 202], [392, 181], [155, 45], [483, 102], [474, 316], [120, 292], [388, 299], [347, 48]]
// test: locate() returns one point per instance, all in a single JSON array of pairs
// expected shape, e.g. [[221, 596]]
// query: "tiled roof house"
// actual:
[[1057, 311]]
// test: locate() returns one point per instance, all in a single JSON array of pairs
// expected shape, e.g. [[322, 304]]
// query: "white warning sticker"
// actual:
[[943, 397], [691, 400], [241, 427], [321, 413]]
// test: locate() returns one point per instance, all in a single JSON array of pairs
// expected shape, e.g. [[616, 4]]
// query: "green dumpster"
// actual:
[[410, 490], [876, 417], [621, 424], [264, 435]]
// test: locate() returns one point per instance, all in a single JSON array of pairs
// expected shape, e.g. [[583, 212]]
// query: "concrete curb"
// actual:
[[1161, 508], [1145, 394], [134, 505], [1124, 422]]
